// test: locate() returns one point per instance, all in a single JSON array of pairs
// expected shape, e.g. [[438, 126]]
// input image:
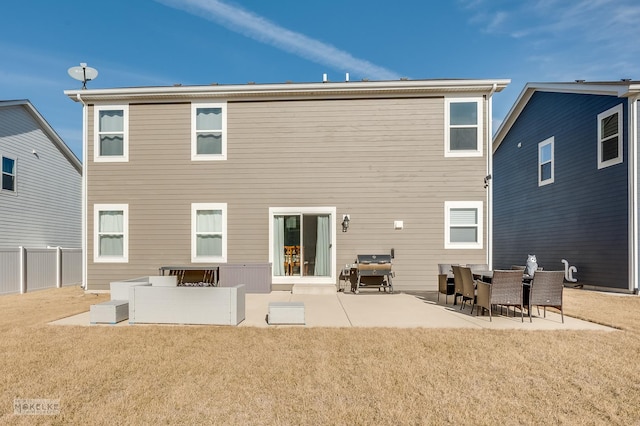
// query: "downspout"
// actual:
[[633, 193], [84, 191], [490, 173]]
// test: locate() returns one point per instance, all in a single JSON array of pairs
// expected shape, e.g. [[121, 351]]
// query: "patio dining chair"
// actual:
[[505, 290], [546, 290], [457, 283], [468, 287], [445, 281]]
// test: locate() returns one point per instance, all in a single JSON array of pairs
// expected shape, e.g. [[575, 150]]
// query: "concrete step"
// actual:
[[314, 289]]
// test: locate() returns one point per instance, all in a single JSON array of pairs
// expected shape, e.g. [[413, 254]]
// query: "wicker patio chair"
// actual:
[[457, 283], [546, 290], [468, 287], [445, 281], [505, 290]]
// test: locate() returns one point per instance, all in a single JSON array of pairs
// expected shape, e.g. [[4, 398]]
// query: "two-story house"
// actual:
[[565, 181], [40, 196], [194, 175]]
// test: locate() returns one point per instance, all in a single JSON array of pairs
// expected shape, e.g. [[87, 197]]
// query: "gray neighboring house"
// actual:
[[266, 173], [41, 192]]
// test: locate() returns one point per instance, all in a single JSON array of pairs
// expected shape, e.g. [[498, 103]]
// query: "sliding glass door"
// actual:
[[302, 244]]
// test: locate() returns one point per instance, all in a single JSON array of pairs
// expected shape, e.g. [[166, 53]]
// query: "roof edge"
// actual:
[[290, 89], [620, 89], [51, 133]]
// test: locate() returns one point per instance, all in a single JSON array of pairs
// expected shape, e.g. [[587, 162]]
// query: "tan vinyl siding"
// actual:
[[378, 160]]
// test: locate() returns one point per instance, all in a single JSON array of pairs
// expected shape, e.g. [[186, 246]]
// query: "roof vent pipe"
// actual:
[[346, 77], [324, 77]]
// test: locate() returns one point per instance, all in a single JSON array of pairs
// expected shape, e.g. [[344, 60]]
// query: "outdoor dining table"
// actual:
[[487, 275], [209, 273]]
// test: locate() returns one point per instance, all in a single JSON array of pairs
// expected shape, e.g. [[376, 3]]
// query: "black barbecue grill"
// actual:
[[373, 270]]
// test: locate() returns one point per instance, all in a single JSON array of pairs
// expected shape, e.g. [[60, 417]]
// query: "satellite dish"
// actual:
[[83, 73]]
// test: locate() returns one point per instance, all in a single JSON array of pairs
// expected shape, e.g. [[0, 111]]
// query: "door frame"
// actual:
[[300, 279]]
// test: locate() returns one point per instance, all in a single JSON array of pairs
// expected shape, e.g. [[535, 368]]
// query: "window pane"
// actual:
[[463, 217], [209, 143], [112, 121], [111, 245], [463, 139], [545, 171], [545, 153], [111, 145], [464, 235], [209, 221], [209, 119], [209, 245], [111, 221], [463, 113], [8, 165], [8, 182], [610, 149], [610, 126]]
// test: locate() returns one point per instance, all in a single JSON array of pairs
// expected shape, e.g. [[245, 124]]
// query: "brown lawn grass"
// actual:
[[313, 376]]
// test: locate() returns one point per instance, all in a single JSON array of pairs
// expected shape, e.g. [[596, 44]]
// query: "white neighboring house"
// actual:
[[41, 182]]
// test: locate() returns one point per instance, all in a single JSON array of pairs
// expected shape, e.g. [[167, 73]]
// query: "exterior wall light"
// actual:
[[345, 222]]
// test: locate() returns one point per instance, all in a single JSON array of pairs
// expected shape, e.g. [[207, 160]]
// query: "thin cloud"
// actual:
[[262, 30], [582, 38]]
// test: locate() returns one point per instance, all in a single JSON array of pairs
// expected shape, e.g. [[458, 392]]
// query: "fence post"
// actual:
[[23, 269], [59, 267]]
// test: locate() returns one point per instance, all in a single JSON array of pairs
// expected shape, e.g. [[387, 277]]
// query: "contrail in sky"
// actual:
[[264, 31]]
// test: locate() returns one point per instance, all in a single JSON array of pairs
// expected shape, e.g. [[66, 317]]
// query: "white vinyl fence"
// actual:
[[26, 269]]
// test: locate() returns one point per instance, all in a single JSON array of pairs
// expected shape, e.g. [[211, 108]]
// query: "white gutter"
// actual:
[[633, 193], [84, 191], [288, 89], [490, 173]]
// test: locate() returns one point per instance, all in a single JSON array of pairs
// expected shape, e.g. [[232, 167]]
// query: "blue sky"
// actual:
[[149, 43]]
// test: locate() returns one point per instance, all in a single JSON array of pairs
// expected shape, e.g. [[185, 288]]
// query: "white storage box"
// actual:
[[286, 313], [109, 312]]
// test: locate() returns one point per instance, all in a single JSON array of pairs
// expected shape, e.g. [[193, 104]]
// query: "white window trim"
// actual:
[[619, 158], [194, 140], [448, 205], [96, 134], [550, 141], [15, 175], [273, 211], [195, 207], [97, 208], [447, 134]]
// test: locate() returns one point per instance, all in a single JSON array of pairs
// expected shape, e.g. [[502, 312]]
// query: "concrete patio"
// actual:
[[374, 309]]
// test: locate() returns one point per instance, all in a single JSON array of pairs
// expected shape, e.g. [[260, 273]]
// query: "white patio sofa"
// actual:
[[159, 300], [186, 305]]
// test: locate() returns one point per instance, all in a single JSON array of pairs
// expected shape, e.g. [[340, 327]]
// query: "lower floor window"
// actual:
[[301, 242], [209, 229], [111, 236], [463, 227]]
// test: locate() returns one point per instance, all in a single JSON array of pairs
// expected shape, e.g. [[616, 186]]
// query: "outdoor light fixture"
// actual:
[[345, 222], [486, 180]]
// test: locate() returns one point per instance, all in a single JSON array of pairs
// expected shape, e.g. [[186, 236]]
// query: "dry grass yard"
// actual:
[[318, 376]]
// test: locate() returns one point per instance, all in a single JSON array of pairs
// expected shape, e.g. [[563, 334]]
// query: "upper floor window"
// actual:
[[463, 227], [463, 127], [545, 162], [8, 174], [610, 137], [111, 128], [209, 232], [209, 131], [111, 236]]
